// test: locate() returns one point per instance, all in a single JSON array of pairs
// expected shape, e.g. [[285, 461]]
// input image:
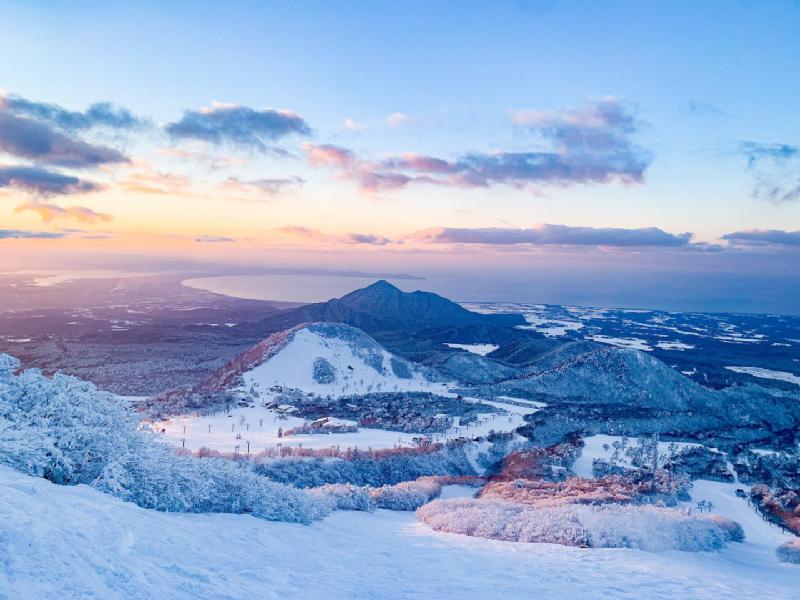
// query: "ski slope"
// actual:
[[293, 367], [230, 432], [63, 543]]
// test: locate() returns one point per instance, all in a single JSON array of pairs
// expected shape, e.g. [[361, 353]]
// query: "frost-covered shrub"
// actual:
[[656, 529], [778, 470], [375, 472], [155, 477], [645, 485], [504, 521], [781, 507], [700, 462], [59, 428], [407, 495], [344, 496], [323, 371], [644, 527], [789, 552], [400, 368], [413, 423], [550, 463], [418, 412], [311, 428], [398, 497], [67, 431], [491, 459], [603, 468]]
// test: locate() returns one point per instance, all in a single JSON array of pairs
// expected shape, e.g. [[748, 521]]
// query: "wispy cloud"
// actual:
[[147, 180], [212, 161], [18, 234], [367, 238], [705, 109], [239, 126], [398, 119], [43, 182], [764, 237], [592, 144], [353, 125], [318, 236], [324, 155], [213, 239], [261, 187], [99, 114], [300, 231], [51, 212], [775, 169], [547, 234]]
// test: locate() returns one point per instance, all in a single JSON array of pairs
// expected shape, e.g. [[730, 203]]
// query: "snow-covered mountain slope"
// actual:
[[324, 359], [525, 351], [472, 369], [604, 389], [61, 542], [610, 376]]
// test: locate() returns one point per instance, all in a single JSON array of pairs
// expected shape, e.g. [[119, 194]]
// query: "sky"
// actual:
[[614, 153]]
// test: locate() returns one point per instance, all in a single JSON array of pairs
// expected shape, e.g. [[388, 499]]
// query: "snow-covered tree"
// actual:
[[68, 431]]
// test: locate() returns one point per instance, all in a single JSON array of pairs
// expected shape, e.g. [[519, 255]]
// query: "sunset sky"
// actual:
[[607, 143]]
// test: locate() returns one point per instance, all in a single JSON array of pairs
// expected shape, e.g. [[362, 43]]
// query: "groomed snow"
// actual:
[[260, 425], [260, 428], [74, 542], [293, 367]]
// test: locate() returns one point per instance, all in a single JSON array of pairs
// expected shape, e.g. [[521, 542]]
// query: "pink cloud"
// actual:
[[51, 212]]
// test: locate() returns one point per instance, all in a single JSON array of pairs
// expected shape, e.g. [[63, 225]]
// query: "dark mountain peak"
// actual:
[[382, 284], [383, 307], [379, 290]]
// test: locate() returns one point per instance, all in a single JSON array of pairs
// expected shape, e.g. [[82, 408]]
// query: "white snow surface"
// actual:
[[628, 342], [481, 349], [767, 374], [674, 346], [63, 543], [259, 426], [593, 448], [293, 367]]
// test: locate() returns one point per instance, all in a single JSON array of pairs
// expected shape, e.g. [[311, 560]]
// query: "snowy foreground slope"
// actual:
[[75, 542]]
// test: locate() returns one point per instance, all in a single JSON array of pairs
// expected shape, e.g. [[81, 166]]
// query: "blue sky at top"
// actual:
[[701, 79]]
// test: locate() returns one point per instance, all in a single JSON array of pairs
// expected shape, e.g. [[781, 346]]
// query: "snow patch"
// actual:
[[767, 374], [634, 343], [674, 346], [481, 349]]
